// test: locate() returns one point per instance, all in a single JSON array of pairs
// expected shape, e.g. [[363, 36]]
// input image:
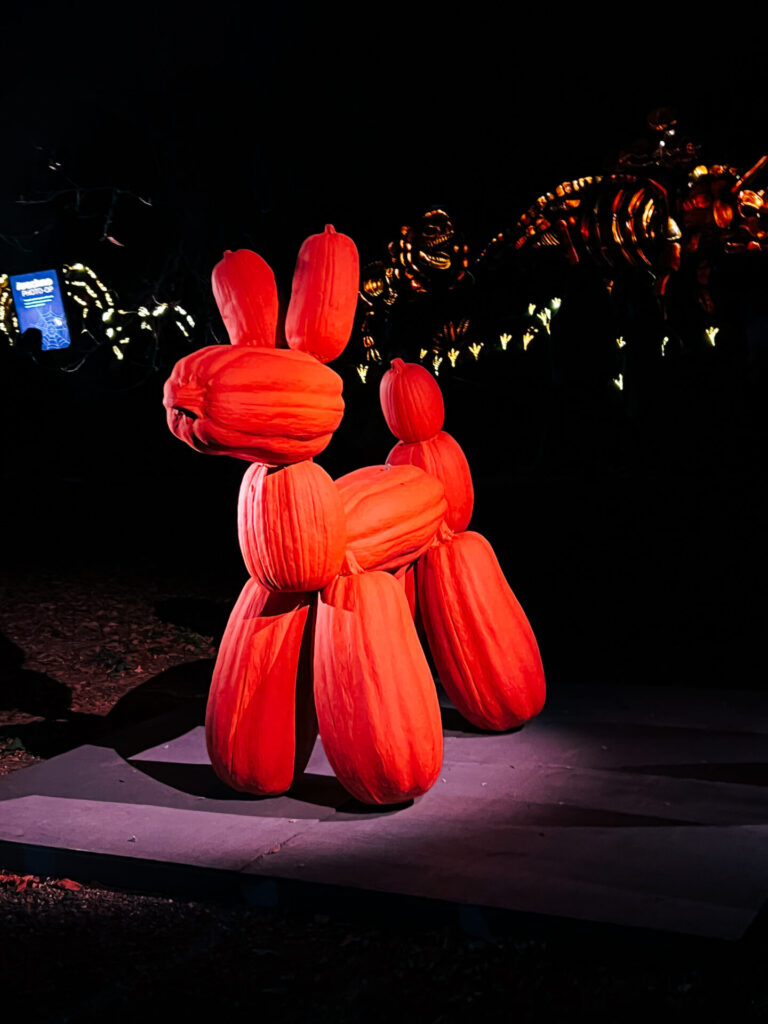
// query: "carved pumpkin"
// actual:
[[324, 295], [290, 523], [411, 401], [246, 294], [376, 701], [442, 457], [482, 644], [392, 513], [260, 404], [260, 723]]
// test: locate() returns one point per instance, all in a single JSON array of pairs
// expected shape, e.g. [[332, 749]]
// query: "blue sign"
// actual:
[[39, 304]]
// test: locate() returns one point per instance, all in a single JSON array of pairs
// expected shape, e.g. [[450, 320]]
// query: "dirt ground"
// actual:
[[82, 652]]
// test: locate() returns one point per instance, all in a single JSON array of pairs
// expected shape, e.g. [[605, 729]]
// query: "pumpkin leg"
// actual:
[[376, 702], [483, 646], [252, 720]]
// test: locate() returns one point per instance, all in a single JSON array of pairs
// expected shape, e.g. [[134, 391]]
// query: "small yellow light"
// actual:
[[422, 353], [664, 343], [182, 328], [118, 351], [436, 364], [160, 309], [545, 315], [453, 355], [556, 304], [110, 332], [124, 341], [108, 315], [711, 333], [527, 339], [505, 340], [362, 372], [475, 348], [531, 308], [619, 382], [143, 311], [620, 341], [699, 171]]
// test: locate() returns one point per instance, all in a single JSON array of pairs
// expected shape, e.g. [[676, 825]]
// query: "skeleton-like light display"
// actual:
[[323, 635]]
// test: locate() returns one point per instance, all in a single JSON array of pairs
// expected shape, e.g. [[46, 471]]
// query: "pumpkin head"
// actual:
[[260, 404]]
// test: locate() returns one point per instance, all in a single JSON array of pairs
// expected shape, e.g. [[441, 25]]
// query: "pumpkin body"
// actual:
[[246, 294], [260, 722], [324, 295], [442, 457], [260, 404], [482, 644], [392, 514], [290, 523], [411, 401], [376, 701]]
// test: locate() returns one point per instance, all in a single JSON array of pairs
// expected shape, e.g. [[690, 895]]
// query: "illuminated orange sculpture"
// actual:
[[323, 634]]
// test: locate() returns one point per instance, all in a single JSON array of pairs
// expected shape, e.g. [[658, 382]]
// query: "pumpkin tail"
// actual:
[[483, 646], [256, 708]]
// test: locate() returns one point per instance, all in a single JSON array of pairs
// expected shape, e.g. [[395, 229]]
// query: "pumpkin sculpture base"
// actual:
[[567, 832]]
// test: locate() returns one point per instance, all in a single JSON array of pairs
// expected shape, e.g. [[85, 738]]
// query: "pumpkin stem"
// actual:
[[397, 365], [330, 229]]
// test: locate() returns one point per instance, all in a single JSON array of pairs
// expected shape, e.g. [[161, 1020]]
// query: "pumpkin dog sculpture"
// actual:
[[323, 633]]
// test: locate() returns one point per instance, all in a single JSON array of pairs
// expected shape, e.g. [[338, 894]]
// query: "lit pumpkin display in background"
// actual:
[[319, 613], [246, 294], [260, 404]]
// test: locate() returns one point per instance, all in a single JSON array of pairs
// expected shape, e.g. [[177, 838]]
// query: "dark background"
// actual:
[[634, 543]]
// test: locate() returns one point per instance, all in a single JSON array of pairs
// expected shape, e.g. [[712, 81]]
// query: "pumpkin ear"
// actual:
[[246, 294], [324, 295]]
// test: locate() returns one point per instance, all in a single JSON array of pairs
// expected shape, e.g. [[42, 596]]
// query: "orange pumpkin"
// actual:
[[442, 457], [376, 701], [324, 295], [259, 404], [290, 523], [246, 294], [392, 513], [411, 401], [482, 644], [260, 723]]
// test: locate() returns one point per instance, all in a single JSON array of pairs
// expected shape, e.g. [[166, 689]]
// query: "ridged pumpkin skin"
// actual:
[[376, 701], [411, 401], [260, 724], [482, 644], [324, 295], [392, 512], [246, 294], [442, 457], [291, 526], [259, 404]]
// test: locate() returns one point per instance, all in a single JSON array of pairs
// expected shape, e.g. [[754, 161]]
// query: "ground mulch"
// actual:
[[85, 651]]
